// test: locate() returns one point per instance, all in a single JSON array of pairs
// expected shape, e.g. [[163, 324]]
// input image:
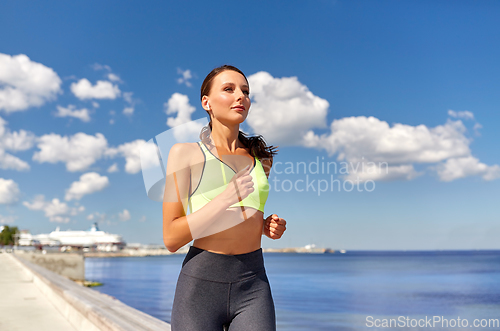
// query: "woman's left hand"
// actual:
[[274, 227]]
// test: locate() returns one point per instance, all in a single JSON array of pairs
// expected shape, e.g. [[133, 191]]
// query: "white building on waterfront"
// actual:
[[92, 239]]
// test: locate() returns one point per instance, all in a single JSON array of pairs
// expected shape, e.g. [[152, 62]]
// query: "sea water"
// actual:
[[351, 291]]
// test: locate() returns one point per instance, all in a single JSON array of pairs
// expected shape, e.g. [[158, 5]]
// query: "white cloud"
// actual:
[[37, 204], [184, 127], [17, 140], [97, 66], [78, 151], [110, 75], [364, 171], [95, 104], [465, 114], [131, 152], [149, 155], [9, 191], [25, 84], [102, 90], [362, 139], [476, 128], [283, 109], [124, 216], [368, 139], [285, 112], [461, 167], [14, 141], [127, 96], [113, 168], [55, 210], [8, 161], [128, 111], [143, 219], [71, 111], [89, 183], [186, 76], [114, 78], [373, 139], [178, 103]]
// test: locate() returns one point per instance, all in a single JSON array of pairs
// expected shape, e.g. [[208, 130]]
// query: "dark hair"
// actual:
[[256, 144]]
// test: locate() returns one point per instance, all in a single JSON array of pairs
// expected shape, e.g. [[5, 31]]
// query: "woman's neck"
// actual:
[[225, 137]]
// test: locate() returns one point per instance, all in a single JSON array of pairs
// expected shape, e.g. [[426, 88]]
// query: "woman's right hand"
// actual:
[[240, 186]]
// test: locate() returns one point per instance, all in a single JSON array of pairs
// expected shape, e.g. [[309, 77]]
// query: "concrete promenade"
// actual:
[[35, 298], [22, 305]]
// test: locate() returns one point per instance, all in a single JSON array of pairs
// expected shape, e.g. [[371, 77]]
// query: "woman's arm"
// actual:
[[179, 229]]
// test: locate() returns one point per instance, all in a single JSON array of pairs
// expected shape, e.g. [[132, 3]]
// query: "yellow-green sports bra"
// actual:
[[216, 175]]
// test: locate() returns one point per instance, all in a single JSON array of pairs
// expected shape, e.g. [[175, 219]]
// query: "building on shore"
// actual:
[[92, 239]]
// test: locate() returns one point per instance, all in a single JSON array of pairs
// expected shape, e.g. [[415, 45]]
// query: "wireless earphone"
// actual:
[[208, 105]]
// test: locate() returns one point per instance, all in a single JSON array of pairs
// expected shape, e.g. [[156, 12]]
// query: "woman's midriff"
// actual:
[[239, 239]]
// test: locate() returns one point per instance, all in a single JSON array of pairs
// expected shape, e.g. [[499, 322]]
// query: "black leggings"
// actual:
[[218, 292]]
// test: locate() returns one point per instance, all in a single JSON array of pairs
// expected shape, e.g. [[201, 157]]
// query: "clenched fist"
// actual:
[[274, 227]]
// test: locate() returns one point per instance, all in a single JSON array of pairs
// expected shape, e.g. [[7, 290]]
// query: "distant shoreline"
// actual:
[[302, 250], [161, 252], [143, 252]]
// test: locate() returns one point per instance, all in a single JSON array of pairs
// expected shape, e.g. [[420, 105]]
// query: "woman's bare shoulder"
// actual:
[[182, 154], [184, 148]]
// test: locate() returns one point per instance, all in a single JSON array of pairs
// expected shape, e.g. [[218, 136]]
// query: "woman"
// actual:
[[223, 180]]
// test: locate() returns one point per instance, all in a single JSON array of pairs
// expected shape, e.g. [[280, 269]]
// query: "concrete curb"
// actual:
[[69, 265], [87, 309]]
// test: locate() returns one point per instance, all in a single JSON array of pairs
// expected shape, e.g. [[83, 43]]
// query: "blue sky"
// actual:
[[414, 84]]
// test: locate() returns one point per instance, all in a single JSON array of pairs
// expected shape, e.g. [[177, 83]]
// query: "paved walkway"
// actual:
[[22, 305]]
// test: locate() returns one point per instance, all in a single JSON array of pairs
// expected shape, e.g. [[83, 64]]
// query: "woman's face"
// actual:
[[229, 97]]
